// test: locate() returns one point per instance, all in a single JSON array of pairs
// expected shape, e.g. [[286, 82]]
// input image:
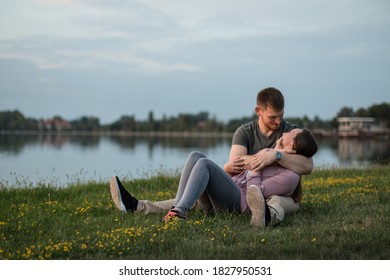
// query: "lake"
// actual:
[[61, 160]]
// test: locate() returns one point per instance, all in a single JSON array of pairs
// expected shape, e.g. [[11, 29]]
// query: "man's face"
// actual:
[[270, 117], [287, 139]]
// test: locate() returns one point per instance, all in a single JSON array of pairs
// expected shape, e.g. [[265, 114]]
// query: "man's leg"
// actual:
[[148, 206], [280, 206], [125, 202]]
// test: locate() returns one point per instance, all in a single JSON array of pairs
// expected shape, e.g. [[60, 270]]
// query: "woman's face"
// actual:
[[287, 139]]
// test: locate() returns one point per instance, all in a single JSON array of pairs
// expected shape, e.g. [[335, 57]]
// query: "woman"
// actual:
[[275, 179]]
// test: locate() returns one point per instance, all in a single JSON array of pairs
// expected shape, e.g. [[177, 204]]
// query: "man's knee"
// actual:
[[276, 210], [280, 206]]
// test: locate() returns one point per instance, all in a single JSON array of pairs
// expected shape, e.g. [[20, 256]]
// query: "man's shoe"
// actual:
[[123, 200], [256, 203]]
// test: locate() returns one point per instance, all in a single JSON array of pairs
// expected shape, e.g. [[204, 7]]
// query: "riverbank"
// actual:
[[345, 215]]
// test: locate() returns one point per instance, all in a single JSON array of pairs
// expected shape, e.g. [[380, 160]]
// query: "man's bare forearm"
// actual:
[[297, 163]]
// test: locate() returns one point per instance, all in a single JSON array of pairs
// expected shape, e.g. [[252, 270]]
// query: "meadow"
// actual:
[[344, 215]]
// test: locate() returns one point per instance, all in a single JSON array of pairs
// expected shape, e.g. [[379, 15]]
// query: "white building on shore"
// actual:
[[359, 127]]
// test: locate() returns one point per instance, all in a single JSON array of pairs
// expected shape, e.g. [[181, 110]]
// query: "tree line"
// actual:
[[200, 122]]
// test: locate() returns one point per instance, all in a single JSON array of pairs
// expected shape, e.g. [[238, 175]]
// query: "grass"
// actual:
[[345, 215]]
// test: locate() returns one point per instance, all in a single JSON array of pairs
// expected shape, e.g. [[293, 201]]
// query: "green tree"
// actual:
[[86, 124], [151, 123], [381, 112], [12, 120], [345, 112], [164, 123], [127, 123]]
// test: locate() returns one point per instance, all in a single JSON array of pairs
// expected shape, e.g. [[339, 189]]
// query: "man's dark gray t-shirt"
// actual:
[[250, 136]]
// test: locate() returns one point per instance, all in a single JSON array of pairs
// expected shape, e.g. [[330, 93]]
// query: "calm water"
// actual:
[[61, 160]]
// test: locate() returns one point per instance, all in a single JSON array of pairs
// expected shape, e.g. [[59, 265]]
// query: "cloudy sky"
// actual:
[[106, 58]]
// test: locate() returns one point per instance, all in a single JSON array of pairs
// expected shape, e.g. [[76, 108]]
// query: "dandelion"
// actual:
[[51, 202]]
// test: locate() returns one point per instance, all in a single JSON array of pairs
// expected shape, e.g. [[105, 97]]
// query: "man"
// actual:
[[249, 152]]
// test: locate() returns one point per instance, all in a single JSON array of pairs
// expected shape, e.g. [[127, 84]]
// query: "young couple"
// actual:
[[262, 176]]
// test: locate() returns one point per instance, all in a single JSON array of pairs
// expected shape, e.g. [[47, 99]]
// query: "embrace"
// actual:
[[262, 177]]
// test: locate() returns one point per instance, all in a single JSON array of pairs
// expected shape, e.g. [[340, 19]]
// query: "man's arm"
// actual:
[[296, 163]]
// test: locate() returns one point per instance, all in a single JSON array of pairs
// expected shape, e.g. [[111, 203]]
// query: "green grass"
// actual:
[[345, 215]]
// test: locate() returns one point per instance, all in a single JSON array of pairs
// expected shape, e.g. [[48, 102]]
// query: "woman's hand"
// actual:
[[237, 165]]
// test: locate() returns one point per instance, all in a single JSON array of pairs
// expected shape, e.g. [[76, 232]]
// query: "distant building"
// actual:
[[56, 124], [359, 127]]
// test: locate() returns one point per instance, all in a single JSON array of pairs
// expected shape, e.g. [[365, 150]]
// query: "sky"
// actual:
[[108, 59]]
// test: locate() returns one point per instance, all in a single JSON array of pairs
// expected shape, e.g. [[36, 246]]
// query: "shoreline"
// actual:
[[121, 133], [319, 134]]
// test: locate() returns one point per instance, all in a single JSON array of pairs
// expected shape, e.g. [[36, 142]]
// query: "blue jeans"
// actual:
[[204, 180]]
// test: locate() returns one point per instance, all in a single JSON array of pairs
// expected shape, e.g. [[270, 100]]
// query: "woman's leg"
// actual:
[[275, 180], [186, 172], [207, 177]]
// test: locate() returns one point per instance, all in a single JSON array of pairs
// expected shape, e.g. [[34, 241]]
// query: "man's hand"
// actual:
[[266, 157], [262, 159]]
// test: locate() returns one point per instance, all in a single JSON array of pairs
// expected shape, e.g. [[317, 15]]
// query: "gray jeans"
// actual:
[[204, 181], [214, 192]]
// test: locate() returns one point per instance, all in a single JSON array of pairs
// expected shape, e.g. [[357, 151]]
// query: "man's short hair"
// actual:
[[270, 97]]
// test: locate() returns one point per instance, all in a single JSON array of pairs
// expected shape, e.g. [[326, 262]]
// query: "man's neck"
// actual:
[[265, 130]]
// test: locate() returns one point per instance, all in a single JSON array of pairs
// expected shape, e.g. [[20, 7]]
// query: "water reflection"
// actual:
[[16, 143], [169, 142], [48, 155], [347, 151], [366, 151], [353, 152]]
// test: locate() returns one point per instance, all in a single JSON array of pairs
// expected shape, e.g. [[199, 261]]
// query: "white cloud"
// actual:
[[59, 59], [127, 58], [40, 61], [150, 24]]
